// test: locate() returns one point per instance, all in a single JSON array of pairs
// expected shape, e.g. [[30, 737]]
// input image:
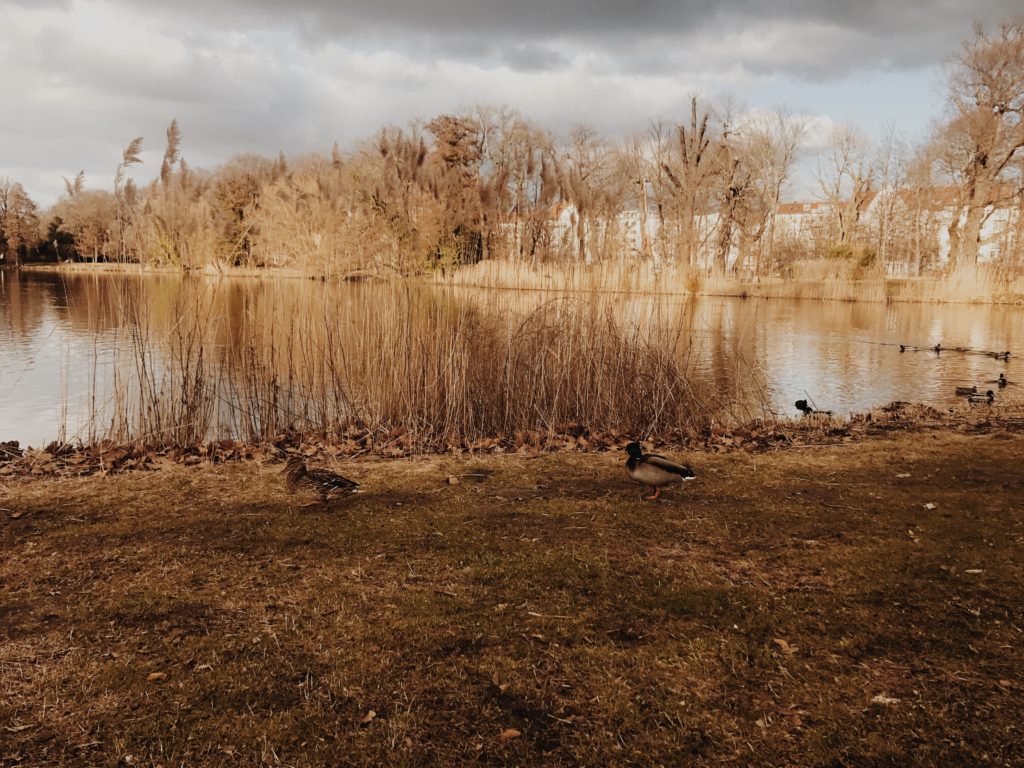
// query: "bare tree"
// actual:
[[771, 145], [690, 175], [891, 162], [984, 131], [584, 165], [846, 177]]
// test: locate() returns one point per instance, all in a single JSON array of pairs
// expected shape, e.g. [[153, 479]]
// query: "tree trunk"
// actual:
[[953, 230], [725, 235], [971, 240]]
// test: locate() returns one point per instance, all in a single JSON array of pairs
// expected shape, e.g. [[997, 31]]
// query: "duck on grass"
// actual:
[[322, 482], [654, 470]]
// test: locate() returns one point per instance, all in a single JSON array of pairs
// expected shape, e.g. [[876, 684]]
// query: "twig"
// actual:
[[547, 615]]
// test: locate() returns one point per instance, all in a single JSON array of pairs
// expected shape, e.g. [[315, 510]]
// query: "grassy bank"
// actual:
[[856, 604]]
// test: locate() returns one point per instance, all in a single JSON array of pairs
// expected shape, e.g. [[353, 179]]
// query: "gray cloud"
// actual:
[[906, 34], [82, 78]]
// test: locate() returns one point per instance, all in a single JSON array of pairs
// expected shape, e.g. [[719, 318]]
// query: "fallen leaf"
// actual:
[[154, 677], [508, 734], [452, 480], [1002, 684], [930, 506], [370, 714], [16, 515], [783, 645], [761, 722]]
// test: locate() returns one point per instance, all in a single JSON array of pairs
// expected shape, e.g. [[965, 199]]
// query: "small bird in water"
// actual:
[[988, 397], [1001, 381], [321, 481], [937, 348], [903, 347], [807, 410], [1001, 355], [654, 470], [967, 390]]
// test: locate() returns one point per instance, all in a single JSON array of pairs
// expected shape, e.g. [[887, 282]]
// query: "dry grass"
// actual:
[[802, 607]]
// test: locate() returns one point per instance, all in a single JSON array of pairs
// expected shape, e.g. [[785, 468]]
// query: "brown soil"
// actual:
[[854, 604]]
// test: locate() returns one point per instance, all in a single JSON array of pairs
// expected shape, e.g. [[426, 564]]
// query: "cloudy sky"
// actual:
[[80, 78]]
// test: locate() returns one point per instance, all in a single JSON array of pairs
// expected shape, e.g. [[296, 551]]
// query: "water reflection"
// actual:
[[62, 339]]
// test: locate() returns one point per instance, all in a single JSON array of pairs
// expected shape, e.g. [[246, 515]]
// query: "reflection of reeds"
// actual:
[[407, 363]]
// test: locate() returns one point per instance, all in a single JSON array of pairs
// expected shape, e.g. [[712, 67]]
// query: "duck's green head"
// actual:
[[635, 450]]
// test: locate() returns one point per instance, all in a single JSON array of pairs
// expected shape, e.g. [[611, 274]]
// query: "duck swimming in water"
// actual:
[[988, 397], [654, 470], [1001, 381], [967, 390], [807, 410]]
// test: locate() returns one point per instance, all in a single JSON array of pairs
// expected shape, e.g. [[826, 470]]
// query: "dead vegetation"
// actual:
[[757, 436], [834, 606]]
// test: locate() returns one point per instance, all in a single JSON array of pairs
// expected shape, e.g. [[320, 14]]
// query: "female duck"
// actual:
[[320, 481], [988, 397], [654, 470]]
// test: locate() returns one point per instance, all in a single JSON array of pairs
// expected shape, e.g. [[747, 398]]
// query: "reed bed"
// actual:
[[417, 367]]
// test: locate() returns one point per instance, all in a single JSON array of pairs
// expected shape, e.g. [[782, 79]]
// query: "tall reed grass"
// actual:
[[425, 368]]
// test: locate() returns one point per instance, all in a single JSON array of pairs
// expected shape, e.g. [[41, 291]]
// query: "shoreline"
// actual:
[[756, 437], [911, 290]]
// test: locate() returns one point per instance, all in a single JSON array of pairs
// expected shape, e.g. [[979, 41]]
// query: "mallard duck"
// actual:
[[988, 397], [937, 348], [1001, 355], [967, 390], [903, 347], [654, 470], [321, 481], [1001, 381]]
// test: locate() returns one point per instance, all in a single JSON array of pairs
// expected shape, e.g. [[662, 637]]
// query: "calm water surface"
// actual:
[[59, 335]]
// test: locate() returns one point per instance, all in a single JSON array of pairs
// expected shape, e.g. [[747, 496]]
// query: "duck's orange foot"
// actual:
[[657, 493]]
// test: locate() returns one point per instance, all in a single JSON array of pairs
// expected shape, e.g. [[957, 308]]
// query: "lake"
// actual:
[[67, 341]]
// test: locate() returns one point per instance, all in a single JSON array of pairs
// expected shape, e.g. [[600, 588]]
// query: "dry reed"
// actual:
[[422, 367]]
